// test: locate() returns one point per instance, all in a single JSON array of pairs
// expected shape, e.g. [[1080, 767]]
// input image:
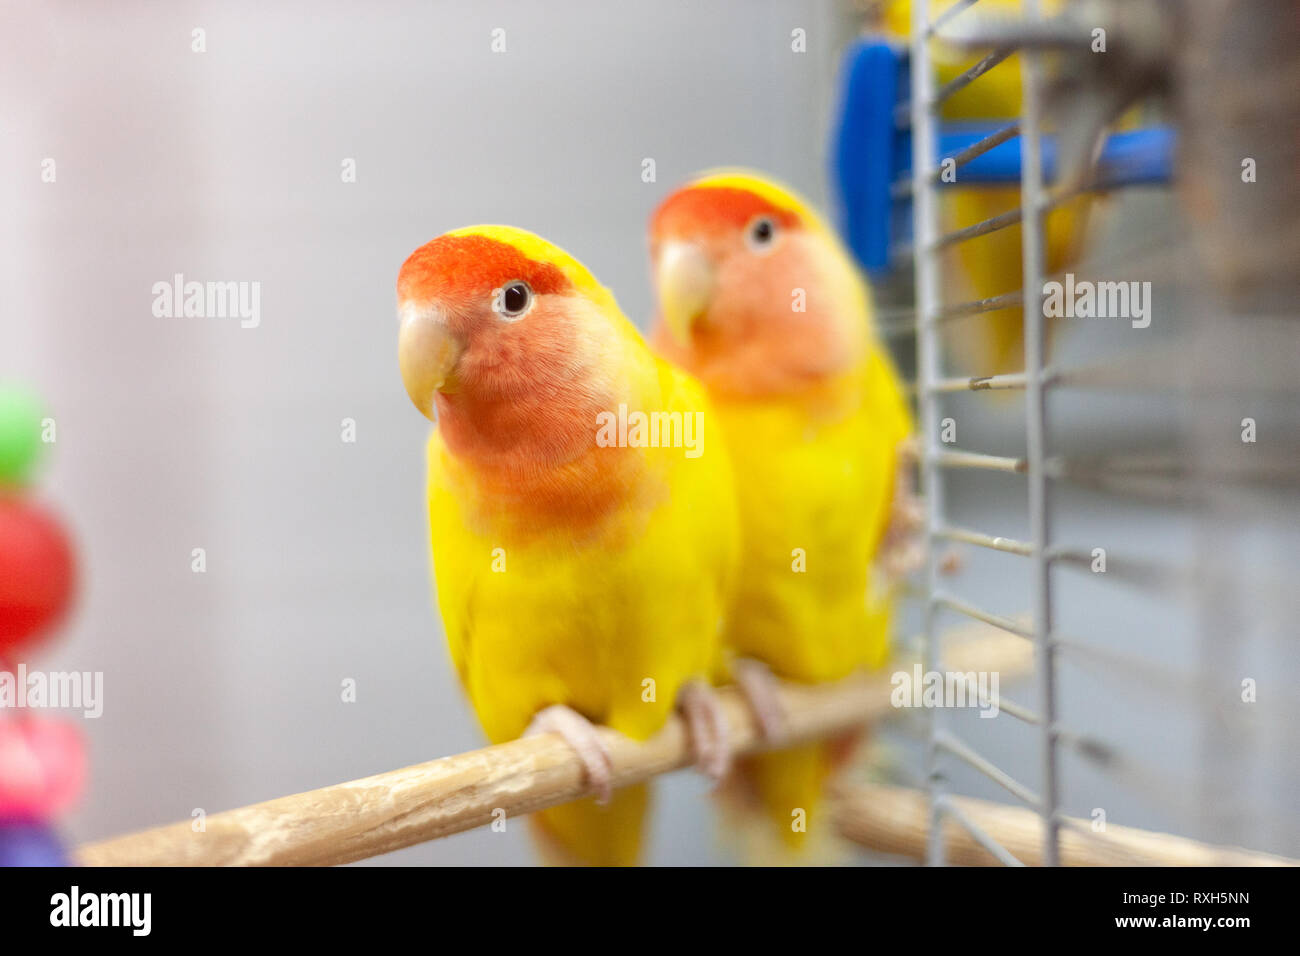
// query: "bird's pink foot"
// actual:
[[759, 685], [707, 725], [580, 734]]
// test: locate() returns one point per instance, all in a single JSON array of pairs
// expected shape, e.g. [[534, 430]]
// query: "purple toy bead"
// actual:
[[28, 843]]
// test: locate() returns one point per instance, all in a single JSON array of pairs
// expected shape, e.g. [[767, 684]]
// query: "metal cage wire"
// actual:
[[930, 312], [1147, 477]]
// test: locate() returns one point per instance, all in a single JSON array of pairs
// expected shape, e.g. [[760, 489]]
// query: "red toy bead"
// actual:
[[36, 573]]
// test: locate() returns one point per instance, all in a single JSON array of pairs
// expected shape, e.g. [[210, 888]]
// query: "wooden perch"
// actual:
[[389, 811], [896, 820]]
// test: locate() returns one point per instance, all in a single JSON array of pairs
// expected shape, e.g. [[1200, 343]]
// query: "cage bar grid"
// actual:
[[1216, 362], [930, 314]]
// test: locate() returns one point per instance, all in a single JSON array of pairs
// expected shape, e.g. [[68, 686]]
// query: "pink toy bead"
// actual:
[[42, 767]]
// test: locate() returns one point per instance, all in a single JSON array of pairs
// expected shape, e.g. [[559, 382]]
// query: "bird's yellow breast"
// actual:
[[815, 482], [608, 619]]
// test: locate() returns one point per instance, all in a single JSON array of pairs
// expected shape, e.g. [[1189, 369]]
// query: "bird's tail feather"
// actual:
[[583, 833], [773, 802]]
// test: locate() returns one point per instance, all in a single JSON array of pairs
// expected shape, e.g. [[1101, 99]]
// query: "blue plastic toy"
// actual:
[[873, 151]]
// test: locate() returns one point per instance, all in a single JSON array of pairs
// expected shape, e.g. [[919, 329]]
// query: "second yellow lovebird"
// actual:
[[758, 298], [583, 568]]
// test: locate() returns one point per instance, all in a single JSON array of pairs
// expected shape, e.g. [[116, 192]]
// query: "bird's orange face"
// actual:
[[745, 287], [507, 342], [515, 350], [480, 316]]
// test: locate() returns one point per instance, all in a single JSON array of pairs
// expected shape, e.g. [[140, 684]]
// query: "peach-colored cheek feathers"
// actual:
[[520, 390], [522, 422], [769, 329]]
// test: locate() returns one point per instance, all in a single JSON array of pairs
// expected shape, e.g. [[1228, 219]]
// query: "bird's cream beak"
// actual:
[[427, 352], [684, 281]]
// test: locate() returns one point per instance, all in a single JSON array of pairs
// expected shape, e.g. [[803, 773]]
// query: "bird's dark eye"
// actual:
[[513, 299], [762, 231]]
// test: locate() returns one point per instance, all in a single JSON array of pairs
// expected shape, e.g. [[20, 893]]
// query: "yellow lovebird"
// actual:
[[990, 343], [760, 301], [581, 512]]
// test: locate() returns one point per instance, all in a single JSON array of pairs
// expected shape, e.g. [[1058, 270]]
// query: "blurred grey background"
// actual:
[[224, 688]]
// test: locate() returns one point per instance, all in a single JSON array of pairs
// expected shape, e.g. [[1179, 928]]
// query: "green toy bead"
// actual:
[[20, 434]]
